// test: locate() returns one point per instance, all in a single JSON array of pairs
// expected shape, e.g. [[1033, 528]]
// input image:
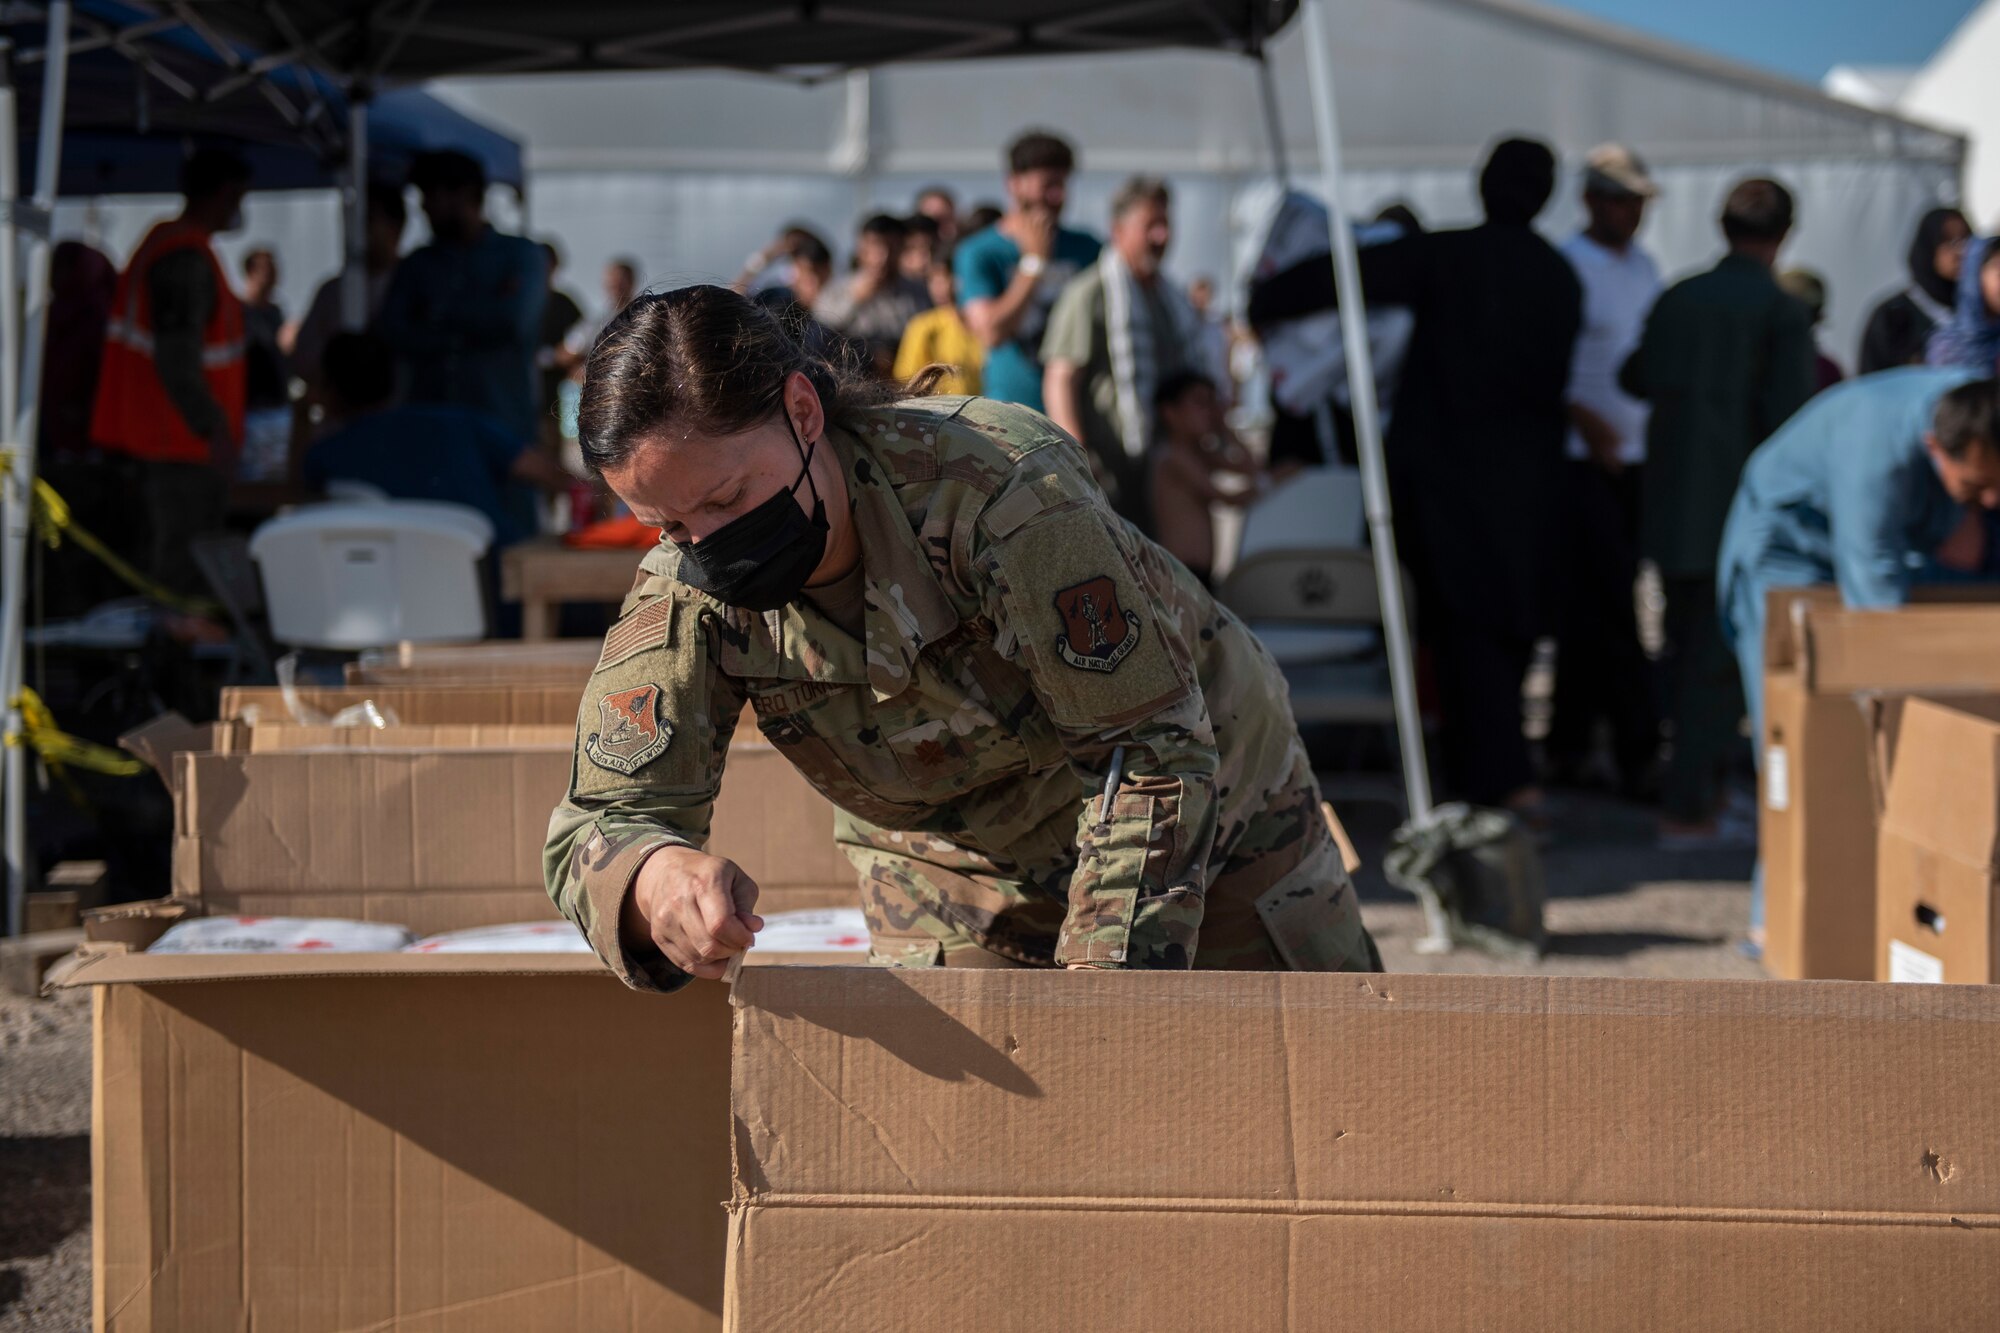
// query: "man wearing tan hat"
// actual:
[[1601, 670]]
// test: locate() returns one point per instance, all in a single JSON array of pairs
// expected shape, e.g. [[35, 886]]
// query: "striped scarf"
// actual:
[[1135, 362]]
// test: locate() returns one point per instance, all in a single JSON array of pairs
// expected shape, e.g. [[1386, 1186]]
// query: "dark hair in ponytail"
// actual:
[[713, 361]]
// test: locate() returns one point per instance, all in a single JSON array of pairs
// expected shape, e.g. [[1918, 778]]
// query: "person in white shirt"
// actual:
[[1602, 673]]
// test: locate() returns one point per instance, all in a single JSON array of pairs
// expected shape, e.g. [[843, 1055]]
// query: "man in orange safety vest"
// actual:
[[171, 392]]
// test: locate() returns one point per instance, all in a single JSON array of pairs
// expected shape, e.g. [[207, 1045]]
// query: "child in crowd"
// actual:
[[1193, 445], [938, 336]]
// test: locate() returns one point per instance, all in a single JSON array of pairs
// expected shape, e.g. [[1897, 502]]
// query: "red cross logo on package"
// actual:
[[1098, 633], [631, 733]]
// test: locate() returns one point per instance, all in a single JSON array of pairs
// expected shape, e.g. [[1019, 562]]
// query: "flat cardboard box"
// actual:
[[1817, 808], [274, 737], [1144, 1151], [553, 661], [1939, 860], [470, 676], [492, 659], [534, 702]]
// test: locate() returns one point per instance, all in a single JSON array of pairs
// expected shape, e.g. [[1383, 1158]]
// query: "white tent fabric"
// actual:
[[1960, 88], [690, 173]]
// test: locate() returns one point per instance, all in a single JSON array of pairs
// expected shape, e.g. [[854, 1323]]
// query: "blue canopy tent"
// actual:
[[401, 125], [124, 96], [141, 93]]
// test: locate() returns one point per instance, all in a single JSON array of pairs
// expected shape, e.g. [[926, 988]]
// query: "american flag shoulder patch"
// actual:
[[644, 628]]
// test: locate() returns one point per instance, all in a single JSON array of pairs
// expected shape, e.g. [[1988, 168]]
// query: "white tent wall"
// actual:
[[302, 227], [691, 172], [698, 226], [1855, 217], [1960, 87]]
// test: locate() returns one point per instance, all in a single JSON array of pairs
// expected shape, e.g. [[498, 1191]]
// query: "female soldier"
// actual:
[[1047, 745]]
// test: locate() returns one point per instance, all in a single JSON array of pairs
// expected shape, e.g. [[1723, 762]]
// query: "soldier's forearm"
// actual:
[[590, 867], [1136, 896]]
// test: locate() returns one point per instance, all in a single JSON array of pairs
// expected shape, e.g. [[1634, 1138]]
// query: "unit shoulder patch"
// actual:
[[631, 733], [1097, 634]]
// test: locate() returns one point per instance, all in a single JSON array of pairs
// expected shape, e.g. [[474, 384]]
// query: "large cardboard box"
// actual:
[[1002, 1150], [1817, 820], [1939, 859], [448, 1143], [430, 1142]]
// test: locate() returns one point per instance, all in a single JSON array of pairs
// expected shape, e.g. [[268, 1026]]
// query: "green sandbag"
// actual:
[[1479, 878]]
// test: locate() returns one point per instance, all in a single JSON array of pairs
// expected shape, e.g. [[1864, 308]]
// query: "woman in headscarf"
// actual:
[[1971, 338], [1901, 327]]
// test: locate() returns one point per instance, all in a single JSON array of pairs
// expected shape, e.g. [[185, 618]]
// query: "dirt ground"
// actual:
[[1617, 907]]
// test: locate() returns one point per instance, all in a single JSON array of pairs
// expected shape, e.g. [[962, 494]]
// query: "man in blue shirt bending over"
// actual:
[[419, 451], [1865, 483]]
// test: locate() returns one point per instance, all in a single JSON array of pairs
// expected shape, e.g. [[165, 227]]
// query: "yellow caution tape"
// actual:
[[54, 521], [58, 749]]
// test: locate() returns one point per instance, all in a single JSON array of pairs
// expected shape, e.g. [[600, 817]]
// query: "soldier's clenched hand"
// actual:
[[695, 907]]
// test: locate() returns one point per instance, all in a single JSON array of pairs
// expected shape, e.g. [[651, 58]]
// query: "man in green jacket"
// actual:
[[1725, 359]]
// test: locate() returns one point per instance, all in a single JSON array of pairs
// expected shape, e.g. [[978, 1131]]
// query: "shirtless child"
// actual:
[[1194, 444]]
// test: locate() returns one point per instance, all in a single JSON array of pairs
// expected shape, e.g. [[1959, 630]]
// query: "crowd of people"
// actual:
[[195, 386], [1559, 417], [1022, 307]]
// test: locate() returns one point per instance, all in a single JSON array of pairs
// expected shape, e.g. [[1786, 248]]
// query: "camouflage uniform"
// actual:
[[1015, 633]]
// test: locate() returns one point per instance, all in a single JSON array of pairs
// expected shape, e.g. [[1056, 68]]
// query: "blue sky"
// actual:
[[1802, 38]]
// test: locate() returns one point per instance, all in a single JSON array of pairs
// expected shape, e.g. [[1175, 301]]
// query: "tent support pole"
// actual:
[[354, 214], [16, 514], [1367, 419], [1274, 125], [21, 427], [10, 277]]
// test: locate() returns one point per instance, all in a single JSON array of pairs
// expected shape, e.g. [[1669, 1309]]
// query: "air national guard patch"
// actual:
[[1098, 633], [631, 731]]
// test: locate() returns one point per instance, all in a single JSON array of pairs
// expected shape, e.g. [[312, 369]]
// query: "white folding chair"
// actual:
[[1319, 507], [1319, 613], [349, 576]]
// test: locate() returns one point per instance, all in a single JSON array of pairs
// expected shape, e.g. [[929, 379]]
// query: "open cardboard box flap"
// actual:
[[1935, 643], [381, 834], [97, 966], [1506, 1153], [1884, 714], [1943, 775], [155, 743]]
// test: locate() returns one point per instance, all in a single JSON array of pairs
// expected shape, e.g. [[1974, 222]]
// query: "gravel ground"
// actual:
[[44, 1163], [1617, 908]]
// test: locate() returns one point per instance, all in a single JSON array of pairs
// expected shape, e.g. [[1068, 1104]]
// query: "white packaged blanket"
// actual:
[[521, 937], [280, 934], [833, 930]]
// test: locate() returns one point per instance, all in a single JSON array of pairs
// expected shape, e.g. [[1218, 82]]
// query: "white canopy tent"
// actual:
[[1960, 87], [689, 174]]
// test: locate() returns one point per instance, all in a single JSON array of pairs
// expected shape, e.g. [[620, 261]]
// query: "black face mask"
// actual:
[[761, 559]]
